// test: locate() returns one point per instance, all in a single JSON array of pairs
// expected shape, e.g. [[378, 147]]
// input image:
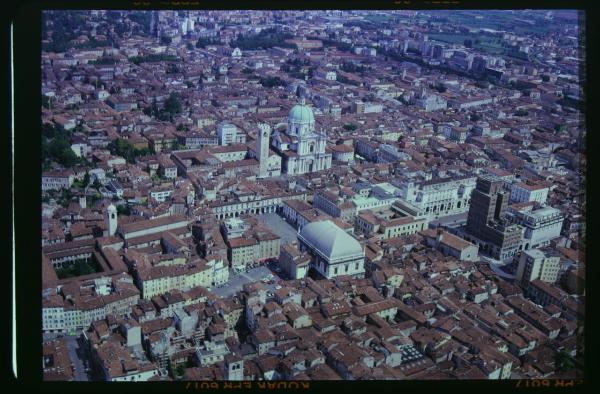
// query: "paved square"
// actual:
[[237, 281], [280, 227]]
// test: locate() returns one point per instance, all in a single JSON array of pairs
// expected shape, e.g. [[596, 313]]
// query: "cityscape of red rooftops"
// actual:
[[313, 195]]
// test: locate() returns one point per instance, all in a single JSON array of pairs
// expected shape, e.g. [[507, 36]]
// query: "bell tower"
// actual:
[[111, 220], [262, 148]]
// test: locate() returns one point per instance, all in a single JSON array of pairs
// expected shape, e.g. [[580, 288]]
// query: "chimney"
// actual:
[[440, 235]]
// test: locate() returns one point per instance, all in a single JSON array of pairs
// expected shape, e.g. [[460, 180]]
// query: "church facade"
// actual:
[[303, 150]]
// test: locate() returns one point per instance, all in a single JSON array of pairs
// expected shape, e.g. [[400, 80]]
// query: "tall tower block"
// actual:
[[262, 148], [111, 220]]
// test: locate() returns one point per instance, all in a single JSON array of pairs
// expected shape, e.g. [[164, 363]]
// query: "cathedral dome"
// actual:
[[330, 241], [301, 113]]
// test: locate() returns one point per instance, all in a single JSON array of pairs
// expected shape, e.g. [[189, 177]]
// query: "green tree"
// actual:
[[45, 150], [173, 104], [560, 128], [60, 151], [563, 361], [172, 68], [270, 82], [77, 268], [123, 210], [123, 148], [180, 370], [343, 46], [51, 130], [175, 145], [65, 197], [203, 42], [105, 60], [440, 88], [350, 127], [521, 112], [86, 179], [46, 101], [126, 150], [153, 58], [268, 38]]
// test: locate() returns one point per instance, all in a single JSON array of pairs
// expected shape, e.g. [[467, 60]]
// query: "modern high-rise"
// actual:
[[535, 264], [486, 222]]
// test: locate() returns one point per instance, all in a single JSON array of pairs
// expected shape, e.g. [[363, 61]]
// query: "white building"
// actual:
[[430, 102], [373, 201], [438, 197], [81, 149], [236, 53], [301, 147], [161, 195], [343, 153], [234, 227], [534, 264], [153, 226], [97, 173], [190, 24], [540, 225], [102, 95], [391, 154], [334, 251], [361, 107], [56, 180], [53, 315], [522, 192], [229, 134], [211, 353]]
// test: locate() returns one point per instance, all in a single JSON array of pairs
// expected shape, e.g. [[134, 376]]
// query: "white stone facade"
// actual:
[[302, 148]]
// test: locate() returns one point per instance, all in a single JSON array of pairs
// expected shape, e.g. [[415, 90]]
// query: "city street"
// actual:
[[450, 220], [237, 281], [76, 354], [77, 358], [499, 267], [279, 226]]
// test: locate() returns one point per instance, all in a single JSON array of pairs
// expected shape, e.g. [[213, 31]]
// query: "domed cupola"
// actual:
[[301, 119]]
